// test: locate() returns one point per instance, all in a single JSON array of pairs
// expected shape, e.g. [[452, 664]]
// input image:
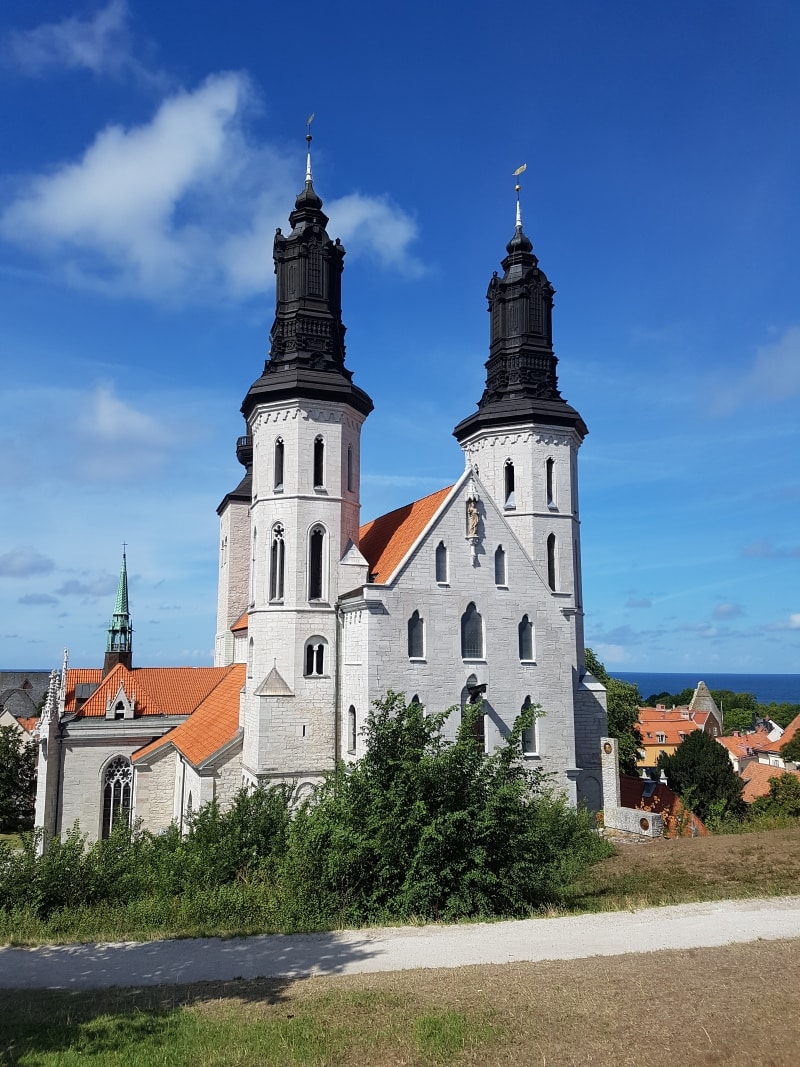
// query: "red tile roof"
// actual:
[[385, 541], [784, 739], [29, 724], [240, 624], [210, 727], [745, 744], [678, 820], [158, 690], [80, 676], [757, 776]]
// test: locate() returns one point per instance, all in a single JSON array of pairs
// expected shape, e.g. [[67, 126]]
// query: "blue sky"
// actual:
[[149, 150]]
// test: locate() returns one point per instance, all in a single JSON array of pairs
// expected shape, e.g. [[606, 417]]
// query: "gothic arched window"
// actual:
[[350, 481], [319, 463], [551, 561], [253, 556], [500, 566], [278, 466], [351, 728], [416, 637], [250, 658], [508, 484], [117, 789], [530, 740], [548, 478], [471, 634], [441, 563], [316, 563], [526, 640], [277, 564]]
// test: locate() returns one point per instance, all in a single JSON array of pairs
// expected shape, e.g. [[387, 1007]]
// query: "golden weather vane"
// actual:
[[516, 174]]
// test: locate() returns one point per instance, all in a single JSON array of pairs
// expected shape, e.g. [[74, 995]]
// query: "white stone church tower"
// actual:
[[472, 592]]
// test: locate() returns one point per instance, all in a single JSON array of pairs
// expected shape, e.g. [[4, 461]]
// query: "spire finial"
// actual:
[[309, 120], [517, 172]]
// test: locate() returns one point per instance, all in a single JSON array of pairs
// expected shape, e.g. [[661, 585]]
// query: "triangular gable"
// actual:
[[213, 726], [274, 685], [387, 541]]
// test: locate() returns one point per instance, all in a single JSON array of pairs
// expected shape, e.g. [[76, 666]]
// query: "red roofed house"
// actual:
[[472, 593], [662, 729]]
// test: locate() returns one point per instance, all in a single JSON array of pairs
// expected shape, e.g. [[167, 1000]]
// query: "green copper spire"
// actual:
[[120, 630]]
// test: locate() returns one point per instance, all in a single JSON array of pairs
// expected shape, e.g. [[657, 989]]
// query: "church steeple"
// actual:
[[521, 379], [307, 350], [119, 647]]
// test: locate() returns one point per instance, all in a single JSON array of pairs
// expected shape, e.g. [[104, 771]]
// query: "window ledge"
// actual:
[[443, 585], [469, 659], [527, 662], [321, 490], [278, 489], [502, 585], [531, 755], [417, 659]]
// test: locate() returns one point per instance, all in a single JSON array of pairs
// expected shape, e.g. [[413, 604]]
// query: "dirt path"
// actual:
[[400, 948]]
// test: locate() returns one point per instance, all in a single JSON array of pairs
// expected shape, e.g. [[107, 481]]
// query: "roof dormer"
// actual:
[[120, 706]]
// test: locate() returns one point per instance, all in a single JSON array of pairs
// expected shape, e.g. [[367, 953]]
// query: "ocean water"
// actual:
[[768, 688]]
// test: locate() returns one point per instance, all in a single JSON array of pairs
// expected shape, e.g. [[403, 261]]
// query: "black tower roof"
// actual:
[[521, 379], [306, 356]]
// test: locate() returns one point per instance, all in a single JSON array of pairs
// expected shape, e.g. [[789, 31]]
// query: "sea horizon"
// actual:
[[767, 688]]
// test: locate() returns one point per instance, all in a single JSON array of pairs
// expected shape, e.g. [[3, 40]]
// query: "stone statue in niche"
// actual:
[[473, 518]]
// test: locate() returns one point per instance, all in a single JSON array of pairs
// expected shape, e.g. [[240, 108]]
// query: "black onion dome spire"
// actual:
[[307, 350], [521, 379]]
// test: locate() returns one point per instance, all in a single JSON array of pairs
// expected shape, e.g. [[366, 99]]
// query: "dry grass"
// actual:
[[738, 1006], [718, 867]]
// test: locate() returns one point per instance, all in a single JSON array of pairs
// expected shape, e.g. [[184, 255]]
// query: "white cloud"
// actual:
[[727, 611], [774, 375], [24, 561], [185, 207], [101, 585], [100, 44]]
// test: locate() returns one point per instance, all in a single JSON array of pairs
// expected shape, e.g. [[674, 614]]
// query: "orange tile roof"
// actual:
[[756, 779], [744, 744], [385, 541], [678, 820], [211, 726], [158, 690], [240, 624], [784, 739], [80, 676], [29, 724]]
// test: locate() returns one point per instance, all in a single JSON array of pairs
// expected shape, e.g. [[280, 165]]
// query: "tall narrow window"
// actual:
[[351, 729], [277, 564], [314, 665], [548, 479], [471, 634], [500, 566], [350, 469], [117, 783], [278, 471], [316, 545], [250, 658], [319, 463], [526, 640], [551, 561], [441, 563], [530, 742], [508, 484], [416, 637]]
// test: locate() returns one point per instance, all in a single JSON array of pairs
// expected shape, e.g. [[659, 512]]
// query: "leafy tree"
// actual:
[[424, 827], [624, 701], [17, 781], [782, 714], [783, 797], [738, 719], [670, 700], [701, 773], [791, 750]]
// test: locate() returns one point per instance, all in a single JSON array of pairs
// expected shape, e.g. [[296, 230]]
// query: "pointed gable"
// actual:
[[386, 540], [213, 725]]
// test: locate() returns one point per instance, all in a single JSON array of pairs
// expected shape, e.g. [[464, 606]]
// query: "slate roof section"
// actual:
[[385, 541], [158, 690], [213, 725], [80, 676]]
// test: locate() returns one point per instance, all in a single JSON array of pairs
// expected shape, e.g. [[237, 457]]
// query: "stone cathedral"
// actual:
[[471, 593]]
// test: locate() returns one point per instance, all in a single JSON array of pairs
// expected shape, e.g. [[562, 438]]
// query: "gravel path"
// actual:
[[399, 948]]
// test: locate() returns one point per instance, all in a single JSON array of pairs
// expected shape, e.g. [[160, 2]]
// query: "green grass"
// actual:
[[596, 1011]]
